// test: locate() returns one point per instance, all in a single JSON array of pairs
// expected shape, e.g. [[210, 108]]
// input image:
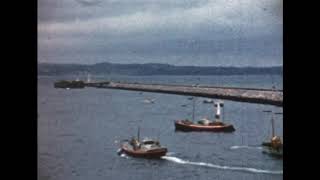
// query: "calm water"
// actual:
[[79, 130]]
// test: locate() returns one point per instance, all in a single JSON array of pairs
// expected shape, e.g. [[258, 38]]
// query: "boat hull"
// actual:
[[180, 126], [276, 152], [150, 154], [273, 152]]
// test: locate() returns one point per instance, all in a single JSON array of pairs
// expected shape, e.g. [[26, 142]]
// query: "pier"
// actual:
[[250, 95]]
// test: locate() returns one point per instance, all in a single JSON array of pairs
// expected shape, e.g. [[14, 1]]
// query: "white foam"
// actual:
[[247, 169], [245, 147], [124, 156], [170, 153]]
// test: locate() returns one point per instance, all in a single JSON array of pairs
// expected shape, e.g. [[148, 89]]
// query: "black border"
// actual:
[[20, 88], [298, 86], [22, 92]]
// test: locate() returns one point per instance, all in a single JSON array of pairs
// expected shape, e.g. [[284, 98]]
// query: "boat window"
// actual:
[[148, 142]]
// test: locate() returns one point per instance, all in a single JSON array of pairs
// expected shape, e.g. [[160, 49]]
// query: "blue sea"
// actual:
[[79, 132]]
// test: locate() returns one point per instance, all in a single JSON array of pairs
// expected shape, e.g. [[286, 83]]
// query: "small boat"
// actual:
[[205, 124], [149, 101], [146, 148], [273, 147], [208, 101]]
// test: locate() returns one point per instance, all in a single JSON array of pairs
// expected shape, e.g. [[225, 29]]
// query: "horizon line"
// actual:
[[106, 62]]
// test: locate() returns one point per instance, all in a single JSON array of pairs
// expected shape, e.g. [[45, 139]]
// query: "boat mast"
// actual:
[[272, 124], [193, 108], [139, 134]]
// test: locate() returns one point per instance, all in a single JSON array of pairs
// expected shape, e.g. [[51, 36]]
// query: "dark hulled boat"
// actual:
[[146, 148], [205, 124]]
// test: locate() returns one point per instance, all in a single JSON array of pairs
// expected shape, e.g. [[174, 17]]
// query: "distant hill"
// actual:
[[150, 69]]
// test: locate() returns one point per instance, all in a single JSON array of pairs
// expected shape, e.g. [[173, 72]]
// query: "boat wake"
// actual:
[[170, 153], [246, 169], [245, 147], [119, 152], [124, 156]]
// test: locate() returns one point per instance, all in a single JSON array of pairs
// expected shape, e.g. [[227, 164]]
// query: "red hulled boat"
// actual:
[[149, 149], [205, 124], [146, 148], [215, 126]]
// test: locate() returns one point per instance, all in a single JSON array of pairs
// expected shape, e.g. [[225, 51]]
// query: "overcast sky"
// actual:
[[181, 32]]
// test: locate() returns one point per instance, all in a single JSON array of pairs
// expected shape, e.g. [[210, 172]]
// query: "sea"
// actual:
[[79, 131]]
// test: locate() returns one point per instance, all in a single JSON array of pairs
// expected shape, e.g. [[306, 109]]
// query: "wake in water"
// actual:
[[122, 154], [245, 147], [246, 169], [170, 153]]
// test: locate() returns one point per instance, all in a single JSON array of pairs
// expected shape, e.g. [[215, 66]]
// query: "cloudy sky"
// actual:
[[183, 32]]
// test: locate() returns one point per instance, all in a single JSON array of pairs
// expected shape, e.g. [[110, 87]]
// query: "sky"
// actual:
[[184, 32]]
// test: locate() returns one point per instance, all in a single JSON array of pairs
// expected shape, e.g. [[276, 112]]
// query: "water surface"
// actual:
[[79, 130]]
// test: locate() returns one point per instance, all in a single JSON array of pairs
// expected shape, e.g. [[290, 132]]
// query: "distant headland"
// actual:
[[107, 68]]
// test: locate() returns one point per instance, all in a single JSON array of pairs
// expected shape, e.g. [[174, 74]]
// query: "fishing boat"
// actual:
[[273, 147], [146, 148], [205, 124]]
